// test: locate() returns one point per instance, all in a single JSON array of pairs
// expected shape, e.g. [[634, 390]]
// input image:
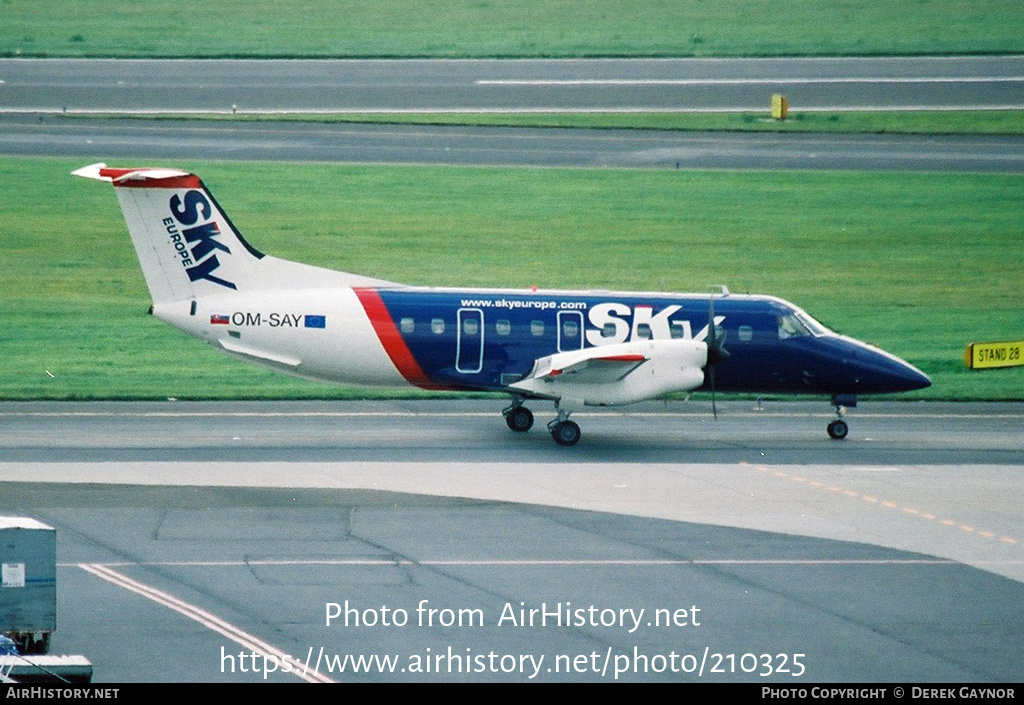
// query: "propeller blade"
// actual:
[[716, 351], [712, 353], [714, 408], [712, 333]]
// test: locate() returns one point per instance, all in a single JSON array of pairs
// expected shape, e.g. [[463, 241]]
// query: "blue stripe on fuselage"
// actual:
[[487, 340]]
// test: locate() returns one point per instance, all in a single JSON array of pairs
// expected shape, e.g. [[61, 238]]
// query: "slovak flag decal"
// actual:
[[219, 320]]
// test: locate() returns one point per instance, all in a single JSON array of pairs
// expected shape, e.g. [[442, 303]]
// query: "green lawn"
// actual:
[[507, 28], [920, 264]]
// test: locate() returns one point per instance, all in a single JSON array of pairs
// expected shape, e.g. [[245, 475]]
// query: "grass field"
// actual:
[[920, 264], [507, 28]]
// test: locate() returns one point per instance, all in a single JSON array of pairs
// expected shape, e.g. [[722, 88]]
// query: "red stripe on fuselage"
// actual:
[[391, 339]]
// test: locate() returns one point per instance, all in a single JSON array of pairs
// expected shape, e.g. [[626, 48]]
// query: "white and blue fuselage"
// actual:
[[575, 348]]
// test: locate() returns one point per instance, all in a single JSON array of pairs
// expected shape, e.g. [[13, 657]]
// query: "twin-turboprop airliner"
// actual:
[[573, 348]]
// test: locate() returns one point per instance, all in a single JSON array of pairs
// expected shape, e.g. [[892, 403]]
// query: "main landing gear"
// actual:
[[518, 417], [563, 431]]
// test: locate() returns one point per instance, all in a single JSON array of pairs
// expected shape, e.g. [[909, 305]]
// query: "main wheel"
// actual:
[[838, 429], [519, 419], [566, 433]]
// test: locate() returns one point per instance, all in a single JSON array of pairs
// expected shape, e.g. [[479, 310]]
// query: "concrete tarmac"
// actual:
[[198, 541]]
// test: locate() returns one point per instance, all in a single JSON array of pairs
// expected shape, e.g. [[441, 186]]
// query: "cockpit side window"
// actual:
[[798, 324], [812, 325], [791, 327]]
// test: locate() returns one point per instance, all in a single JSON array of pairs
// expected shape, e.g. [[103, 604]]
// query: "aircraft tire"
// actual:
[[519, 419], [566, 433], [838, 429]]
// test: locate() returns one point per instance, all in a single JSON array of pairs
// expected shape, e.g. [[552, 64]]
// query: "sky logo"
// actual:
[[196, 244]]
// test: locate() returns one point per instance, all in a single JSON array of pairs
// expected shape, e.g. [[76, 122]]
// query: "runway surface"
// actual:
[[893, 556], [439, 85]]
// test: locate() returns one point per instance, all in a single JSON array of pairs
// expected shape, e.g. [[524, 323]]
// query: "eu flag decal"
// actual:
[[316, 321]]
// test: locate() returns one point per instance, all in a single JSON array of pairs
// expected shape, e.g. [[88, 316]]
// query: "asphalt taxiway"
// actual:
[[504, 85], [194, 532], [129, 141], [36, 94]]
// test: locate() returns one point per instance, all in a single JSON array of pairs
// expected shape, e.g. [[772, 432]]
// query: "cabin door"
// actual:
[[469, 353]]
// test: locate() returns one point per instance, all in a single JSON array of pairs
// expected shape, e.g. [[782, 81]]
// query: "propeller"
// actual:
[[716, 350]]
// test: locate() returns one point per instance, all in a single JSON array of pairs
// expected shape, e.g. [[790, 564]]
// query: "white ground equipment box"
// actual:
[[28, 583]]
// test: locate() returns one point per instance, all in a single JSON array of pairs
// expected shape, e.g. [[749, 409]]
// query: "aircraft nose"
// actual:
[[909, 377], [885, 373]]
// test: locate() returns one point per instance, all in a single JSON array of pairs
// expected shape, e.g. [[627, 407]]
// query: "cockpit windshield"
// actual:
[[798, 324]]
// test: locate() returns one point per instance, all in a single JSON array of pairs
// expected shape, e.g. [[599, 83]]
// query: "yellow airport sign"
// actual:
[[980, 356], [780, 107]]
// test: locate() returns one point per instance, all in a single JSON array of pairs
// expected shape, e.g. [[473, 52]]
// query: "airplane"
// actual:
[[573, 348]]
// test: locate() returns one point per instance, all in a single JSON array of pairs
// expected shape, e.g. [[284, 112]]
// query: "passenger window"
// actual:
[[437, 326], [609, 330], [643, 331], [570, 329], [503, 327], [408, 325], [680, 329], [470, 326], [537, 328], [746, 334]]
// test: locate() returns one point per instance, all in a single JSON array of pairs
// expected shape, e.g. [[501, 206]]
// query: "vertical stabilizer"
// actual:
[[188, 247]]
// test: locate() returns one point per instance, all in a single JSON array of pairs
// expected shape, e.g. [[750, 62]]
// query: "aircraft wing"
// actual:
[[617, 374], [600, 369]]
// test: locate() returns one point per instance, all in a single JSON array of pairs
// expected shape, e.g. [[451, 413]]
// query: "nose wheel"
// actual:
[[838, 429]]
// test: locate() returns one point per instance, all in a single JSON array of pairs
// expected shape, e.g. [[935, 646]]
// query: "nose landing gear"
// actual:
[[837, 428]]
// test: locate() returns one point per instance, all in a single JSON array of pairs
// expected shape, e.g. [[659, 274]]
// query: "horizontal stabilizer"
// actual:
[[100, 172]]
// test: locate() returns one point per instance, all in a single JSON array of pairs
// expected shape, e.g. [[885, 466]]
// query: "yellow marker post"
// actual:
[[981, 356], [780, 107]]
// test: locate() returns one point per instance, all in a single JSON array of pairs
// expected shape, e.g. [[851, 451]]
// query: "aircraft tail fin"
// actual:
[[189, 248]]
